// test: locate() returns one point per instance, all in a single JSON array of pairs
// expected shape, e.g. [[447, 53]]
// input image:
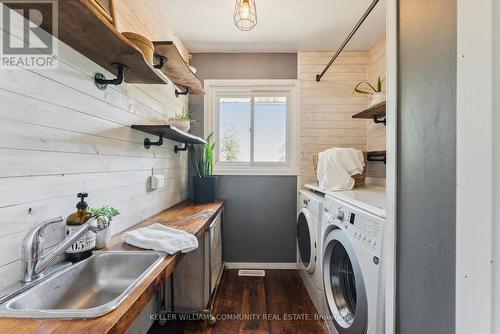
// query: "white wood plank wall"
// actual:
[[376, 132], [376, 68], [327, 106], [60, 135], [148, 19]]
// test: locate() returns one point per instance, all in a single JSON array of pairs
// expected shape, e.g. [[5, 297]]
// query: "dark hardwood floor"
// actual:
[[276, 303]]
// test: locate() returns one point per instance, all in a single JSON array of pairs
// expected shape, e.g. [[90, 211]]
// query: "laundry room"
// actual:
[[248, 166]]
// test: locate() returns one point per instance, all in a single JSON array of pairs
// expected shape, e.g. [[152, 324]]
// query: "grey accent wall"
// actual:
[[259, 219], [426, 167]]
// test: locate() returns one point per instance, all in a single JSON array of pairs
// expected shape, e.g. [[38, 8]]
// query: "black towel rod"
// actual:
[[353, 31]]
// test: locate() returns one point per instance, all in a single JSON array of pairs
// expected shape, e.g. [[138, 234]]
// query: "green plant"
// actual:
[[105, 211], [185, 115], [202, 157], [374, 90]]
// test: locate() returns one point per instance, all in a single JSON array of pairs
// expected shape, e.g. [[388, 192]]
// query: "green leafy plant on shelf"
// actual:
[[108, 211], [185, 115], [202, 158], [372, 89]]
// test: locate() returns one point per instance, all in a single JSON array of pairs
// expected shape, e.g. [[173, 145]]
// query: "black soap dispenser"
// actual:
[[84, 246]]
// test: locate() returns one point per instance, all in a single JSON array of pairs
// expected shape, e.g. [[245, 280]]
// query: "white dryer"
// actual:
[[309, 245], [353, 283]]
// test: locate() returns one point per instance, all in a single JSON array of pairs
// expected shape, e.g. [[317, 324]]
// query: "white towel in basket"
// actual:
[[337, 165], [161, 238]]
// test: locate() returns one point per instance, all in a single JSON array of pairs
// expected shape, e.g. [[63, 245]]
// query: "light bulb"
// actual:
[[245, 9], [245, 14]]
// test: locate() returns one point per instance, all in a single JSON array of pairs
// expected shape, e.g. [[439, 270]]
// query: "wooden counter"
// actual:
[[186, 216]]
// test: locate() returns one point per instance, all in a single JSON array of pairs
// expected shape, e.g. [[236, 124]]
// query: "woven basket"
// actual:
[[359, 179], [145, 45]]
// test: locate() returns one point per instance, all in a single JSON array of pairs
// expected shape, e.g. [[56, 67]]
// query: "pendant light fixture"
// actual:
[[245, 14]]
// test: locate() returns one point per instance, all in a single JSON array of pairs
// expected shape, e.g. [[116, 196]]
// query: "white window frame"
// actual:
[[289, 88]]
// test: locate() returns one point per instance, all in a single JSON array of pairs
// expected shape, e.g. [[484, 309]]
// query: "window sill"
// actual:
[[256, 171]]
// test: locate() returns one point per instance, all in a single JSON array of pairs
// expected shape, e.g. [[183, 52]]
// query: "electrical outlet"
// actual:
[[157, 181]]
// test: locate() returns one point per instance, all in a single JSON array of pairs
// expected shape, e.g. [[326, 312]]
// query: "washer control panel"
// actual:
[[366, 231], [362, 227]]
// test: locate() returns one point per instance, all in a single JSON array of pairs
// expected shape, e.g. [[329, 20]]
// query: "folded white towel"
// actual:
[[337, 165], [161, 238]]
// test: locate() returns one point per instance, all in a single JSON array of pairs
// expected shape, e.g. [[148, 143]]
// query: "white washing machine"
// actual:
[[353, 284], [309, 245]]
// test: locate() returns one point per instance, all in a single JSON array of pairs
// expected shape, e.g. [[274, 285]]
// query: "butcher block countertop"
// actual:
[[186, 216]]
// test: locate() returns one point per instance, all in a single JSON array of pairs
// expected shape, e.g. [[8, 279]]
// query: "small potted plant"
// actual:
[[182, 120], [202, 160], [375, 91], [103, 236]]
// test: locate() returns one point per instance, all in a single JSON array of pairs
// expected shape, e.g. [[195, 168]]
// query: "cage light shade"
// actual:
[[245, 14]]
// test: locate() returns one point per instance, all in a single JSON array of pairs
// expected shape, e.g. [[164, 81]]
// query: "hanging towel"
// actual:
[[337, 165], [161, 238]]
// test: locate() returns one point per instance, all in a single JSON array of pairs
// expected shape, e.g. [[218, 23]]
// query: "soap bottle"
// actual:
[[84, 246]]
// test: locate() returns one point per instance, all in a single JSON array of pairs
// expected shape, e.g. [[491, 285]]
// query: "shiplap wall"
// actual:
[[376, 132], [147, 18], [376, 68], [60, 135], [327, 106]]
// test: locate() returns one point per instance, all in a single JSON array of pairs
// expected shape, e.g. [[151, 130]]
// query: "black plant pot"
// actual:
[[204, 189]]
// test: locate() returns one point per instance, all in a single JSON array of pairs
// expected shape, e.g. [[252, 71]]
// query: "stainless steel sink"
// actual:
[[86, 289]]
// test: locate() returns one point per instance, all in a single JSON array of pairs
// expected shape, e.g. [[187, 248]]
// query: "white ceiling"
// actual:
[[283, 26]]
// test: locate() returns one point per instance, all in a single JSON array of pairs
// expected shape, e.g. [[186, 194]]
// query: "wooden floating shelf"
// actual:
[[168, 132], [377, 112], [176, 69], [84, 28]]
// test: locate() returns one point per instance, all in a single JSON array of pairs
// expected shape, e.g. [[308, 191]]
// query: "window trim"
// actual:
[[214, 88]]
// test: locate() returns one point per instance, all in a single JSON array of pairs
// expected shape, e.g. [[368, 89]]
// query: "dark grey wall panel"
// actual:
[[426, 167], [259, 220]]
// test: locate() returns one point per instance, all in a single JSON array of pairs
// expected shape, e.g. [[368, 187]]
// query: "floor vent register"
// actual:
[[252, 272]]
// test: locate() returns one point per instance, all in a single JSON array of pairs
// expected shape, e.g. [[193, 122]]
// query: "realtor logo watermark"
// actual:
[[29, 34]]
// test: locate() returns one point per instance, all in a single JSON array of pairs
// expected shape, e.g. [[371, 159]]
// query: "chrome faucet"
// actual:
[[35, 262]]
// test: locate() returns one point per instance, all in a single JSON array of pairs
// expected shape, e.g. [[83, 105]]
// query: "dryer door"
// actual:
[[343, 284], [306, 241]]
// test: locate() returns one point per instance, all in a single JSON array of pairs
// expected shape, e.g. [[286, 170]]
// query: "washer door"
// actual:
[[306, 241], [344, 285]]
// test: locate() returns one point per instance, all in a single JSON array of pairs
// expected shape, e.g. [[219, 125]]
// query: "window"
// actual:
[[253, 129], [254, 125]]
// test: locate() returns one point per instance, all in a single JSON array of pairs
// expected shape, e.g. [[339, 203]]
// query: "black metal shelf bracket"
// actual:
[[102, 83], [178, 148], [186, 92], [163, 61], [148, 143], [377, 157], [380, 120], [373, 159]]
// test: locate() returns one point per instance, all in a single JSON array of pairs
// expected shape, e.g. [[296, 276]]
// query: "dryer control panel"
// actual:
[[362, 227], [313, 203]]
